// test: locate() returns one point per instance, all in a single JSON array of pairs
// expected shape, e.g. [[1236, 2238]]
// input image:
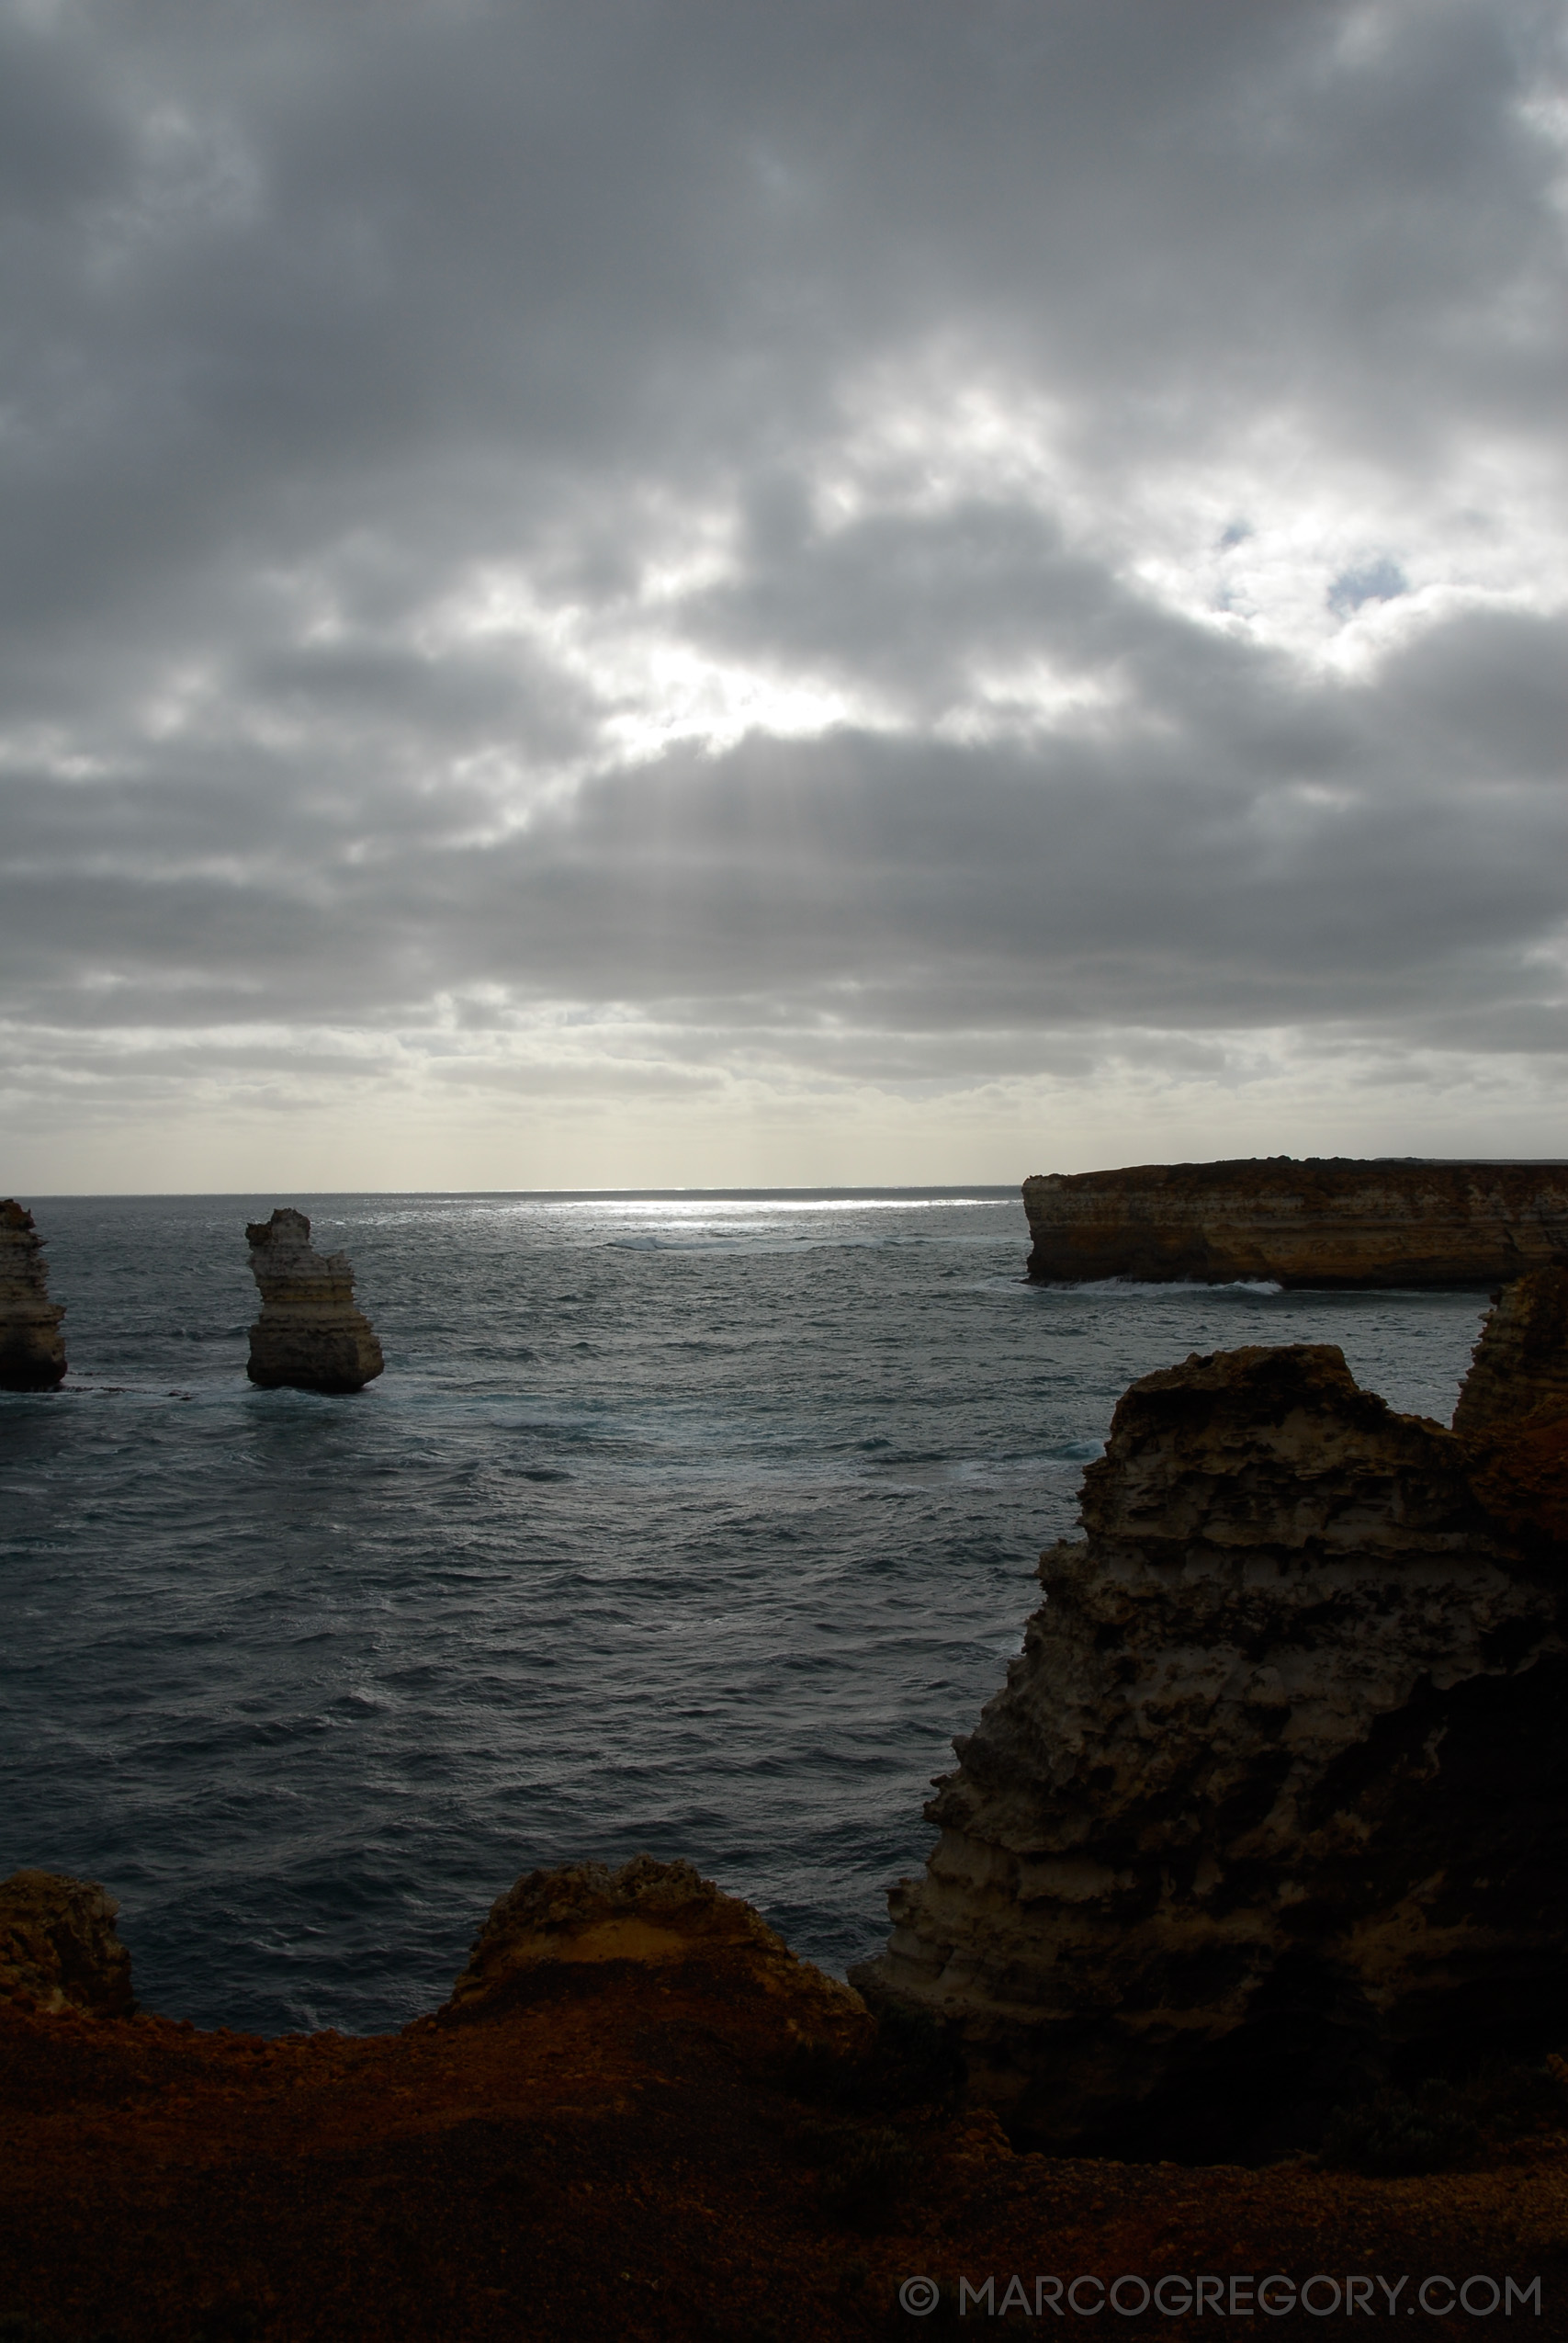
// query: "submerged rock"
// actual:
[[1275, 1802], [58, 1946], [1326, 1222], [32, 1353], [309, 1335]]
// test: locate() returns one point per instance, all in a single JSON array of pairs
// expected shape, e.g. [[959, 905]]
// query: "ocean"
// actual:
[[695, 1522]]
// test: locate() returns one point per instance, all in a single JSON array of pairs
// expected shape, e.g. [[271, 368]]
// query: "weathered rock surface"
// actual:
[[657, 1916], [1520, 1373], [309, 1335], [1326, 1222], [641, 2152], [1275, 1801], [58, 1946], [32, 1353]]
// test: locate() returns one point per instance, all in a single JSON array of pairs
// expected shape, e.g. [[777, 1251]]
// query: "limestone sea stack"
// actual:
[[32, 1353], [309, 1335], [1274, 1804], [1326, 1222]]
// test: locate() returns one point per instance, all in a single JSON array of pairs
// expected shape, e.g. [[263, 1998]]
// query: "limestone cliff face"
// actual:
[[33, 1354], [1274, 1799], [58, 1946], [1322, 1223], [309, 1336]]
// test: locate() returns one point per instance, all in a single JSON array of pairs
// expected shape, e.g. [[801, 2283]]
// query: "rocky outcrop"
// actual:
[[58, 1946], [1275, 1801], [1519, 1372], [32, 1353], [657, 1916], [309, 1335], [1513, 1415], [1326, 1222]]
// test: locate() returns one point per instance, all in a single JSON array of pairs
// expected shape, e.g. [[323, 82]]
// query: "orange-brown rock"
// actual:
[[309, 1335], [58, 1946], [32, 1353], [1326, 1222], [643, 2151], [657, 1914], [1275, 1800]]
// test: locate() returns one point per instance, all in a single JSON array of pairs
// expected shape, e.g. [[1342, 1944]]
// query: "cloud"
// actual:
[[619, 556]]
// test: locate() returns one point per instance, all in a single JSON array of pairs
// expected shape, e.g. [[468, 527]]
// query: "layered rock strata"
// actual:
[[58, 1946], [1275, 1801], [1331, 1222], [32, 1353], [309, 1335]]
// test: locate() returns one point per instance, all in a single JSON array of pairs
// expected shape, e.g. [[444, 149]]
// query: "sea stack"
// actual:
[[32, 1353], [1273, 1806], [309, 1335], [1327, 1222]]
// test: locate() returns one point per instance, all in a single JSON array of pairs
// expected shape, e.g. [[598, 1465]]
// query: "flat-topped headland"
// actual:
[[1328, 1221]]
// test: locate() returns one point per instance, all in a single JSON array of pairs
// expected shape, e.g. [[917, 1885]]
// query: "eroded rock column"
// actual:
[[33, 1351], [309, 1335]]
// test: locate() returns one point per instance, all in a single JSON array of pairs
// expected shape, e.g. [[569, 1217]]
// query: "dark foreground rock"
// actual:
[[676, 2137], [1274, 1805], [32, 1353], [1326, 1222], [309, 1335], [58, 1946]]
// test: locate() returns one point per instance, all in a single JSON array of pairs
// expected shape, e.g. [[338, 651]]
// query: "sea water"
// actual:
[[696, 1523]]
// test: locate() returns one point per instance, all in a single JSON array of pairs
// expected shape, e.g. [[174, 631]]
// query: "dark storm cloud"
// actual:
[[400, 400]]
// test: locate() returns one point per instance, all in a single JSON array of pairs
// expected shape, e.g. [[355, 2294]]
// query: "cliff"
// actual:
[[33, 1354], [1330, 1222], [641, 2120], [309, 1335], [1274, 1804]]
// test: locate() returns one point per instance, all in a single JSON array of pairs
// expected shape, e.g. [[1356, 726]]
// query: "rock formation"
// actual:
[[1520, 1373], [657, 1916], [1274, 1804], [309, 1336], [58, 1946], [33, 1354], [1513, 1415], [1329, 1222]]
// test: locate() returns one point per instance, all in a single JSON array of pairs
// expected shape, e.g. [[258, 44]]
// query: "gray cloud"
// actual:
[[891, 546]]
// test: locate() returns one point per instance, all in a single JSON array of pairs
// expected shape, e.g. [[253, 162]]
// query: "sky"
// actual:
[[660, 591]]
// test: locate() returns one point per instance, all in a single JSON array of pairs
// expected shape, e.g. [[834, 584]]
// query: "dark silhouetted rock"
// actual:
[[1275, 1801], [1326, 1222], [309, 1335], [58, 1946], [1519, 1370], [33, 1354]]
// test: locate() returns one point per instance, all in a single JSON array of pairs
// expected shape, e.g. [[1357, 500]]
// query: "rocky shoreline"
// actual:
[[1329, 1222], [1241, 1951], [639, 2119]]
